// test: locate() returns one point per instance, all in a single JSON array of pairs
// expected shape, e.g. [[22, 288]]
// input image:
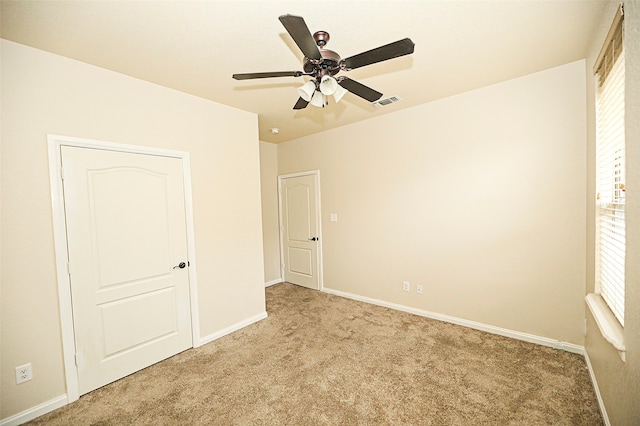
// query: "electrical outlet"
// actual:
[[406, 286], [419, 289], [23, 373]]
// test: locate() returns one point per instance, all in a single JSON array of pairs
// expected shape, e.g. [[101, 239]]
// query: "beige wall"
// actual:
[[270, 223], [478, 197], [43, 93], [619, 382]]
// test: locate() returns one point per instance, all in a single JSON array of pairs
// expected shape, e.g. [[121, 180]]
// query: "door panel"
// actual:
[[140, 222], [301, 261], [299, 211], [126, 229], [299, 222], [159, 322]]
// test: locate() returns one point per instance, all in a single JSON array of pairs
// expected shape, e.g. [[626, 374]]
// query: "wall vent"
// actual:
[[386, 101]]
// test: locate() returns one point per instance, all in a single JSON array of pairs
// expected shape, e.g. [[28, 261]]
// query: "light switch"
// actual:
[[333, 217]]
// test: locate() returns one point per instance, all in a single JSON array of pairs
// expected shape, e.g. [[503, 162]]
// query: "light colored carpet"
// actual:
[[320, 359]]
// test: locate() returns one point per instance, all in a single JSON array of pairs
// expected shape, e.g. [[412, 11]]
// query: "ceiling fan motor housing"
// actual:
[[328, 65]]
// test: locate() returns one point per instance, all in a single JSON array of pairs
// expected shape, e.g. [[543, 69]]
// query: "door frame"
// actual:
[[55, 143], [316, 174]]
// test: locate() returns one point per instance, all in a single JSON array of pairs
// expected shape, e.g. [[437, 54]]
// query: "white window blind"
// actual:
[[610, 171]]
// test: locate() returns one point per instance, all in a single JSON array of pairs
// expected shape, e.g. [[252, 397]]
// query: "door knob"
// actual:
[[180, 265], [313, 239]]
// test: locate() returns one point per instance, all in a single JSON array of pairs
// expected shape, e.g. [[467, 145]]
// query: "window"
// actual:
[[610, 170]]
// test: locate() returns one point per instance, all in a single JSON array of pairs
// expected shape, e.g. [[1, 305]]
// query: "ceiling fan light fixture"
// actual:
[[307, 90], [328, 85], [318, 100], [339, 93]]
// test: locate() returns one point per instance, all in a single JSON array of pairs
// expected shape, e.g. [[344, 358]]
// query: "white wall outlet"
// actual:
[[406, 286], [23, 373], [419, 289]]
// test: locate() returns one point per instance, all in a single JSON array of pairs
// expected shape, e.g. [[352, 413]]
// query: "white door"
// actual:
[[300, 234], [126, 232]]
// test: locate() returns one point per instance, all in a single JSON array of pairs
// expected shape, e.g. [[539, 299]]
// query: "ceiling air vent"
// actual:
[[386, 101]]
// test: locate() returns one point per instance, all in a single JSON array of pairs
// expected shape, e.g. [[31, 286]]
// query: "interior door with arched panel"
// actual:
[[300, 230]]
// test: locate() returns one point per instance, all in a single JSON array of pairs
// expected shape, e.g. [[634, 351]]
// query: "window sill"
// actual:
[[608, 324]]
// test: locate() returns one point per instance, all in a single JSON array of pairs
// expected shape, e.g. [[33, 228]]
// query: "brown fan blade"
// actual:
[[360, 89], [252, 75], [301, 104], [299, 32], [379, 54]]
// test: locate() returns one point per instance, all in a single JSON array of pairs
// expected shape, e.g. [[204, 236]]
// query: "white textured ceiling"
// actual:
[[195, 47]]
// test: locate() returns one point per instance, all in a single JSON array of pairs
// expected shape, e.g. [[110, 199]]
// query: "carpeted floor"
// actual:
[[320, 359]]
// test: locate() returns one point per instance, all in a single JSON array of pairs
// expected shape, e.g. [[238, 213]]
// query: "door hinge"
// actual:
[[62, 173], [68, 268], [75, 359]]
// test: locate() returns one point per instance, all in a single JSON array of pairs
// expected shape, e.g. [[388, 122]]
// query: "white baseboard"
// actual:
[[273, 282], [531, 338], [37, 411], [603, 410], [235, 327]]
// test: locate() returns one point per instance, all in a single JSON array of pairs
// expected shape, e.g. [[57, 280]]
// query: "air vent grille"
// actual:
[[386, 101]]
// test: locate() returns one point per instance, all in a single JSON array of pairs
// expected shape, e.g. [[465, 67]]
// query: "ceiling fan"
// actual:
[[322, 64]]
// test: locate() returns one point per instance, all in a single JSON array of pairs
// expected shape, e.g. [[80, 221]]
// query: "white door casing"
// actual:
[[300, 229], [128, 222]]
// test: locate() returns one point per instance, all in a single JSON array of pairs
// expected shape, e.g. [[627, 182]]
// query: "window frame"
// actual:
[[610, 325]]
